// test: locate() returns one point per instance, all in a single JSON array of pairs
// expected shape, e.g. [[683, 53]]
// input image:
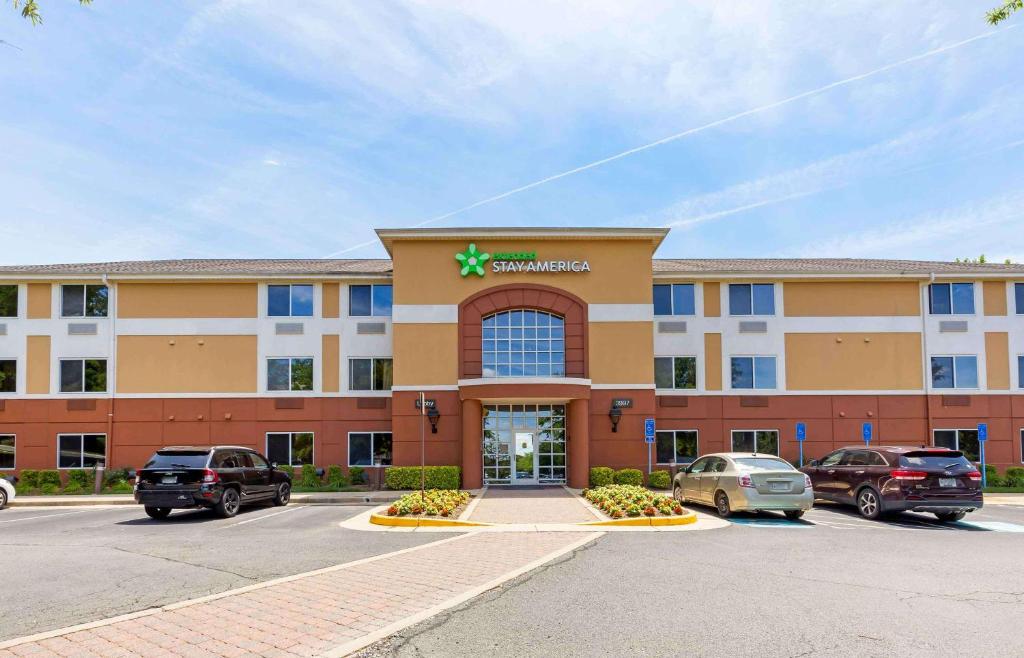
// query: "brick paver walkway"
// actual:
[[530, 505], [312, 614]]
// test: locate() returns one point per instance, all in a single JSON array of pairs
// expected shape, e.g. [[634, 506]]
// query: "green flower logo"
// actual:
[[472, 261]]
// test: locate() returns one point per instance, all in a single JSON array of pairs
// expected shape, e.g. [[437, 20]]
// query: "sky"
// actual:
[[261, 128]]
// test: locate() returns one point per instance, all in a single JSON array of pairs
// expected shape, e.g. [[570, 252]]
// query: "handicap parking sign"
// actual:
[[983, 431], [801, 431], [866, 431], [649, 430]]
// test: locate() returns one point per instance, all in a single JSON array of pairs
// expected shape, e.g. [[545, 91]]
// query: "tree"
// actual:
[[1001, 13], [30, 9]]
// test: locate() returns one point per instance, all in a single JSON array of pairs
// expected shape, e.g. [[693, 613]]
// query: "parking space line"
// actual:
[[46, 516], [260, 518]]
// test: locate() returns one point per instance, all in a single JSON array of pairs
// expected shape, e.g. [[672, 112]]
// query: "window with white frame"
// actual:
[[291, 448], [81, 450], [751, 299], [290, 300], [370, 374], [674, 299], [83, 375], [523, 343], [8, 301], [954, 372], [290, 374], [1020, 371], [762, 441], [679, 372], [951, 298], [753, 372], [369, 449], [8, 445], [83, 301], [370, 300], [966, 441], [8, 375], [1018, 298], [675, 446]]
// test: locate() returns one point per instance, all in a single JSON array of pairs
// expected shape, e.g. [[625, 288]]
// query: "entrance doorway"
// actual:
[[524, 443]]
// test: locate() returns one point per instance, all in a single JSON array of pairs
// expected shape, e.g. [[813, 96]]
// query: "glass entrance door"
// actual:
[[524, 443]]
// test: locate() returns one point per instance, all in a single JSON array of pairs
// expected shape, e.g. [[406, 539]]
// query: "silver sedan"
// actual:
[[745, 481]]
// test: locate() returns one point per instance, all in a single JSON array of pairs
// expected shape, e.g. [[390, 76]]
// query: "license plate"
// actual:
[[779, 486], [947, 482], [169, 479]]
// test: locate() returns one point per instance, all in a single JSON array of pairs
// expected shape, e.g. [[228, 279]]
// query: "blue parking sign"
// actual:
[[983, 431], [801, 431], [866, 432], [648, 430]]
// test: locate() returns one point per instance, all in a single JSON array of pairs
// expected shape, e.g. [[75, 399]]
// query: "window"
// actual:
[[951, 298], [83, 301], [8, 301], [83, 376], [766, 441], [966, 441], [1022, 446], [1018, 295], [954, 372], [290, 300], [229, 459], [369, 300], [290, 448], [8, 376], [369, 449], [81, 450], [833, 459], [674, 299], [675, 372], [290, 374], [1020, 371], [753, 372], [523, 344], [369, 374], [7, 451], [675, 446], [751, 299]]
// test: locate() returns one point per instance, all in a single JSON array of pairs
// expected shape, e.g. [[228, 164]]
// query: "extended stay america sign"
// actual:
[[473, 261]]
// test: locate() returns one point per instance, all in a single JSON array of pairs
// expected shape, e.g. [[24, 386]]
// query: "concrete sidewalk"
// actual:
[[316, 498], [328, 612], [532, 505]]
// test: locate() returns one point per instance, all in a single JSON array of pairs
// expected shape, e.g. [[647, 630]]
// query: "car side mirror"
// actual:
[[813, 462], [273, 464]]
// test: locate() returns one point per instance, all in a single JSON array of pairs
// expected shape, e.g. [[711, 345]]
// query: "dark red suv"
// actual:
[[881, 479]]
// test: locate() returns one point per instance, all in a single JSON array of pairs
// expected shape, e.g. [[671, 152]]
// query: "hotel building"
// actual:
[[540, 353]]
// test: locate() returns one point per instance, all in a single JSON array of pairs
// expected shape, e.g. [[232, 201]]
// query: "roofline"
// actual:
[[387, 236], [9, 275], [873, 274]]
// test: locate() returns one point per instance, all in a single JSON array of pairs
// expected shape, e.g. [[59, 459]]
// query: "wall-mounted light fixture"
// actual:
[[433, 415], [615, 414]]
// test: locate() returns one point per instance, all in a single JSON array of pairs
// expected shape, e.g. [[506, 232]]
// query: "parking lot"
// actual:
[[73, 565]]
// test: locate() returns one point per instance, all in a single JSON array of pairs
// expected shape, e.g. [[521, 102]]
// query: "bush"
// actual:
[[336, 477], [1012, 481], [357, 474], [287, 470], [601, 476], [990, 472], [48, 479], [408, 477], [994, 481], [308, 478], [121, 486], [49, 489], [115, 476], [29, 479], [629, 476], [1015, 472], [80, 480], [659, 480]]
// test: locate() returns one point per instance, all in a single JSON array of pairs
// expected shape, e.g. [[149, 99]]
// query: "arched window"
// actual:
[[523, 343]]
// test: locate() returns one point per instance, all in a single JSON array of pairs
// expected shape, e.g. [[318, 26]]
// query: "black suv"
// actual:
[[221, 478]]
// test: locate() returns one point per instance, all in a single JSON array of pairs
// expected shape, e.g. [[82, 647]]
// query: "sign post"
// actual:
[[982, 439], [866, 433], [423, 445], [801, 436], [648, 439]]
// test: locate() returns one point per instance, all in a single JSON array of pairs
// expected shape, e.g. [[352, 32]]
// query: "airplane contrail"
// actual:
[[688, 132]]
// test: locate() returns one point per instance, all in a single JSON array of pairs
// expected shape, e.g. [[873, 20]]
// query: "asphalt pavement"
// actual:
[[833, 585], [66, 566]]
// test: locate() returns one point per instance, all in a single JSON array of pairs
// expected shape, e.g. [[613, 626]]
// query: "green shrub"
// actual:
[[1015, 472], [990, 472], [49, 478], [357, 474], [80, 480], [1011, 481], [659, 480], [29, 479], [121, 486], [114, 476], [49, 489], [336, 477], [309, 479], [994, 481], [288, 470], [408, 477], [601, 476], [629, 476]]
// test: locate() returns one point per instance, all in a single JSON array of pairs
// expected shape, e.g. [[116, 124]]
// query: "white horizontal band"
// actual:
[[424, 313], [620, 312]]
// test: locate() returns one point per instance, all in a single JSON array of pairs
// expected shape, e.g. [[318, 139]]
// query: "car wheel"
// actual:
[[677, 493], [3, 498], [158, 512], [868, 504], [722, 505], [794, 514], [949, 517], [228, 505], [284, 494]]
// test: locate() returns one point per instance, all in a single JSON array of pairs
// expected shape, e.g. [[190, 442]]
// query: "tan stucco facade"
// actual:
[[187, 300], [182, 364], [853, 361], [851, 298]]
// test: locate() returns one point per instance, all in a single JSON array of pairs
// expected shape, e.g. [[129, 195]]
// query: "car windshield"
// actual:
[[935, 460], [762, 464], [178, 459]]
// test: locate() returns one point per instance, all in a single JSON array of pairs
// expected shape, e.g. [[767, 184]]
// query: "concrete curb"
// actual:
[[682, 519], [423, 522]]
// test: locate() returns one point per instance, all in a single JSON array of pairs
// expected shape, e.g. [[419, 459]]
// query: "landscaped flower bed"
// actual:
[[621, 500], [433, 502]]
